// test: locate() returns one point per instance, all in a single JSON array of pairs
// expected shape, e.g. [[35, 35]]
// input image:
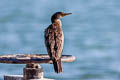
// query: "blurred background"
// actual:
[[92, 34]]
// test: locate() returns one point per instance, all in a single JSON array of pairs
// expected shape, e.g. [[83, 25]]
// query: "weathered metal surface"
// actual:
[[13, 77], [33, 71], [20, 77], [31, 58]]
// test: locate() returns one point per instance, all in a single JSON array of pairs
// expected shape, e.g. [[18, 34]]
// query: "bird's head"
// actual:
[[58, 15]]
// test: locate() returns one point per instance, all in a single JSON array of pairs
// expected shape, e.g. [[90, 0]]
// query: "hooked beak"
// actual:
[[65, 14]]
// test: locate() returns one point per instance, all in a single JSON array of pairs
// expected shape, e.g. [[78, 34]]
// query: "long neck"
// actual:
[[58, 21]]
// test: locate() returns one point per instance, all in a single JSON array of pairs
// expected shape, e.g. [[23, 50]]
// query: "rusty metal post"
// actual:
[[33, 71]]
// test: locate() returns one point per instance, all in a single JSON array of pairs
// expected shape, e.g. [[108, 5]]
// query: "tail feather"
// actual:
[[57, 65]]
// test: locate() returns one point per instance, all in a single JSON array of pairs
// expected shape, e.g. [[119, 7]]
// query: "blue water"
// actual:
[[92, 34]]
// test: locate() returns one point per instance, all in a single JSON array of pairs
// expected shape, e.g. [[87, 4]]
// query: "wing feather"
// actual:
[[54, 40]]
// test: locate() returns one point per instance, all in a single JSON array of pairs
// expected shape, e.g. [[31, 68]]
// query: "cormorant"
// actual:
[[54, 40]]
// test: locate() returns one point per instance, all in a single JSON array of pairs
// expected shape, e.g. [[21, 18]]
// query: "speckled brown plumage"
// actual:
[[54, 39]]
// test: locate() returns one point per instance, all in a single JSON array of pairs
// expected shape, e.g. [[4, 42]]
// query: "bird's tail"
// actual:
[[57, 65]]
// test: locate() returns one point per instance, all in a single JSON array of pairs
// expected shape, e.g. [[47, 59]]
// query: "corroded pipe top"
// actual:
[[31, 58]]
